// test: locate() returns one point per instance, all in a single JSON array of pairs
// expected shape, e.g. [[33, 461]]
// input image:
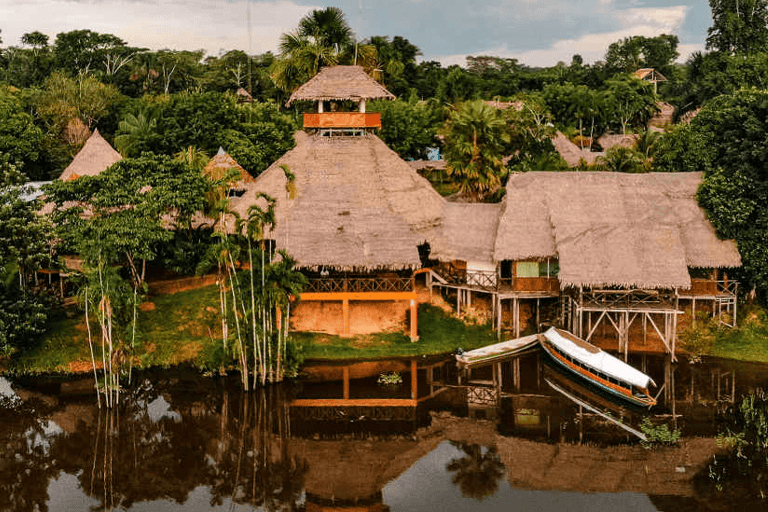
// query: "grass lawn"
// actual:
[[748, 342]]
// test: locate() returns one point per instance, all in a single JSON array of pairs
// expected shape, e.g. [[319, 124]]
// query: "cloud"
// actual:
[[212, 25], [647, 22]]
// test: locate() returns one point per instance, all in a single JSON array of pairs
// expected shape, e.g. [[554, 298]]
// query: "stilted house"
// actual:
[[355, 213], [608, 255]]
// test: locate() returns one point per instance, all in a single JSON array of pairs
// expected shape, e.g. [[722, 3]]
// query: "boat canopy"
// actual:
[[597, 359]]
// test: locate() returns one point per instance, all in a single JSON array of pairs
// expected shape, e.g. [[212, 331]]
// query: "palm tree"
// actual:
[[476, 140], [135, 131], [327, 27], [322, 36]]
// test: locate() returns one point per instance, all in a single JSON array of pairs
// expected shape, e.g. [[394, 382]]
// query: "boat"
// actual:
[[498, 351], [598, 368]]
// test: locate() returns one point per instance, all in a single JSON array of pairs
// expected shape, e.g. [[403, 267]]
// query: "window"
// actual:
[[527, 269]]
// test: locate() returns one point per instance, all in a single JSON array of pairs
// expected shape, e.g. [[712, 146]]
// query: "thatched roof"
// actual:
[[338, 83], [217, 167], [649, 74], [469, 232], [421, 165], [607, 140], [94, 157], [503, 105], [663, 116], [571, 153], [357, 204], [607, 229]]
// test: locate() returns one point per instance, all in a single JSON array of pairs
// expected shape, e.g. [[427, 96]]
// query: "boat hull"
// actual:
[[624, 394]]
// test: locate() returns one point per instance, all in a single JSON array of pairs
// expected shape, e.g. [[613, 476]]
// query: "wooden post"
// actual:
[[414, 381], [497, 379], [345, 315], [516, 373], [346, 382], [414, 321]]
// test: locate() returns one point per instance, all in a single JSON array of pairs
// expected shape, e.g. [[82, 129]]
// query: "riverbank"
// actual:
[[183, 328]]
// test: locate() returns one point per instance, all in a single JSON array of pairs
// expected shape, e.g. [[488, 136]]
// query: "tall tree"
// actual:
[[23, 249], [734, 189], [738, 26]]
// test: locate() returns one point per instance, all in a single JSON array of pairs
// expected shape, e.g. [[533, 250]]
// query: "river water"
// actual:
[[337, 440]]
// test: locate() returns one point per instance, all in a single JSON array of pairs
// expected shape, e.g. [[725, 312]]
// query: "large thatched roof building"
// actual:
[[95, 156], [606, 229], [357, 205]]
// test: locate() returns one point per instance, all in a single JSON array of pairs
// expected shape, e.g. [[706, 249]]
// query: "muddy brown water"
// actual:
[[338, 440]]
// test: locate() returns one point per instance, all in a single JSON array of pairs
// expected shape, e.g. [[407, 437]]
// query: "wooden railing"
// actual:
[[712, 287], [343, 120], [359, 284]]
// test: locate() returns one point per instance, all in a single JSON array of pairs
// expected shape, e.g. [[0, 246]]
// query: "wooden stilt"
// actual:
[[414, 380], [345, 315], [414, 321], [346, 382]]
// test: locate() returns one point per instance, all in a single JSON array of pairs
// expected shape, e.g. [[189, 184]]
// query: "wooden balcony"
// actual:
[[343, 120]]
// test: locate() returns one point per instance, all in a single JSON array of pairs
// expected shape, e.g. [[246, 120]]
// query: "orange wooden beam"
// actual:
[[414, 380], [414, 321]]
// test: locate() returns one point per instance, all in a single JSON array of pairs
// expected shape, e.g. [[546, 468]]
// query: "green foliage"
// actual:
[[23, 249], [531, 133], [682, 149], [714, 74], [733, 190], [195, 120], [269, 130], [137, 133], [317, 42], [630, 102], [390, 379], [621, 159], [20, 140], [744, 433], [634, 52], [738, 26], [658, 435], [409, 127]]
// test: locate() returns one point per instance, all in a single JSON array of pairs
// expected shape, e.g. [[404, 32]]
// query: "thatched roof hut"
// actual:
[[339, 83], [94, 157], [609, 140], [357, 204], [571, 153], [218, 166], [641, 230]]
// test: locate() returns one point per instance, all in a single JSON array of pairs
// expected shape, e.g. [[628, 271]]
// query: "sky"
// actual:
[[536, 32]]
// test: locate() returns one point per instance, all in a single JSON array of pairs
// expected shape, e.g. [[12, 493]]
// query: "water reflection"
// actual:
[[478, 472], [183, 442]]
